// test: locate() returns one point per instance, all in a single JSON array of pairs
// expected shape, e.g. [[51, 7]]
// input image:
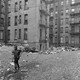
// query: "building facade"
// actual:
[[2, 18], [65, 22], [75, 23], [61, 22], [28, 21], [51, 23], [3, 21]]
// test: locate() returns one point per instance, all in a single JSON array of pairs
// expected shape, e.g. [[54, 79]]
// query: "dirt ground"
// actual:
[[58, 66]]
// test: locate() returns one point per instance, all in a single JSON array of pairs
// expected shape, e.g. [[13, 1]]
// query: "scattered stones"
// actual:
[[24, 70], [12, 63], [8, 69], [37, 66], [2, 78]]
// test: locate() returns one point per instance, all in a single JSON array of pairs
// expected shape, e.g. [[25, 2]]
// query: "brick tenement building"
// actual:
[[75, 23], [28, 21], [2, 20], [60, 22]]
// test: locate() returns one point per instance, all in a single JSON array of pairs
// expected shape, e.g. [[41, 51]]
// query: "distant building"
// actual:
[[51, 22], [75, 23], [2, 18], [60, 22], [28, 21]]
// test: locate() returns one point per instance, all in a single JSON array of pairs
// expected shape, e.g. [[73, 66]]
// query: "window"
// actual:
[[51, 18], [61, 29], [73, 10], [9, 8], [51, 22], [66, 30], [15, 21], [62, 21], [77, 29], [51, 14], [67, 11], [51, 5], [25, 34], [19, 33], [1, 35], [55, 32], [19, 19], [55, 39], [67, 20], [72, 29], [61, 13], [15, 34], [67, 1], [72, 20], [72, 40], [61, 39], [79, 9], [73, 1], [8, 34], [55, 21], [62, 2], [26, 19], [2, 21], [16, 7], [66, 39], [56, 8], [51, 38], [8, 21], [79, 39], [40, 34], [51, 30], [20, 6], [62, 9], [26, 4], [56, 12], [51, 10], [56, 15]]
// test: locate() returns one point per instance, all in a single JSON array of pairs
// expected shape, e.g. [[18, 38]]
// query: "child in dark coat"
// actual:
[[16, 54]]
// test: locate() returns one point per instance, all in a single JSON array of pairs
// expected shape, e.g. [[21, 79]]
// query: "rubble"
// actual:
[[58, 50], [55, 60]]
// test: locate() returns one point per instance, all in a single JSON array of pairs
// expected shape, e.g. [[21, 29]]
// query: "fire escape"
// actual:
[[76, 22]]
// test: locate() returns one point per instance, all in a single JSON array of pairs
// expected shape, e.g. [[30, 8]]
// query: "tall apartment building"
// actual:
[[28, 21], [61, 22], [51, 24], [65, 22], [2, 18], [75, 23]]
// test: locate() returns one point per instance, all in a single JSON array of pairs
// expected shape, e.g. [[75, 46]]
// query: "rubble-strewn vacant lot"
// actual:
[[58, 66]]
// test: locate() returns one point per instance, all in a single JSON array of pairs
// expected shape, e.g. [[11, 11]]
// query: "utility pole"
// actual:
[[58, 35], [6, 22]]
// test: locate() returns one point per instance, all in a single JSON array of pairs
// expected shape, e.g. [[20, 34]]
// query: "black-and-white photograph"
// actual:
[[39, 39]]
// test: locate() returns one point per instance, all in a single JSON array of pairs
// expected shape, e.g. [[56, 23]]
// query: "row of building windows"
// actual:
[[62, 21], [61, 30], [66, 11], [62, 2], [66, 29], [19, 36], [16, 8], [67, 2], [62, 39], [16, 21]]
